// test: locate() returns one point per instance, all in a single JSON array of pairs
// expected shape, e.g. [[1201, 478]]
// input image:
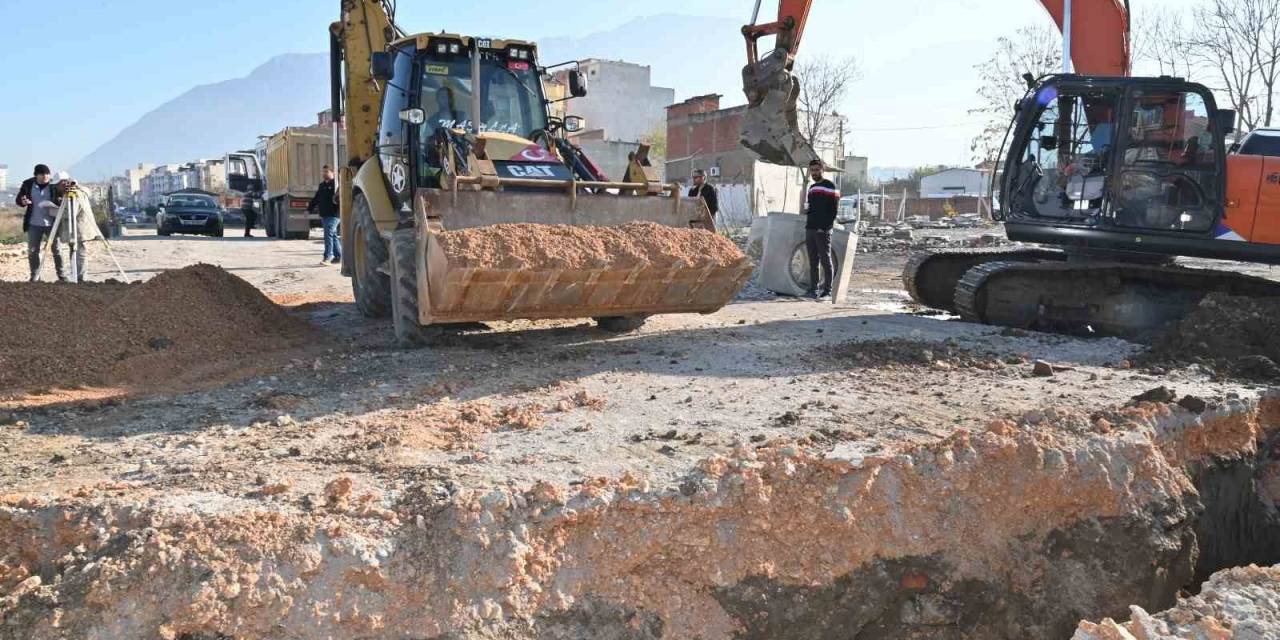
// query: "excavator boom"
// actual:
[[1099, 46]]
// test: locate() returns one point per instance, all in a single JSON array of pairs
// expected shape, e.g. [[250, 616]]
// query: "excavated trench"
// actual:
[[1022, 530]]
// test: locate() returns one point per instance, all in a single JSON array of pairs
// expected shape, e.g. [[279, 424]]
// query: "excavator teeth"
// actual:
[[770, 126]]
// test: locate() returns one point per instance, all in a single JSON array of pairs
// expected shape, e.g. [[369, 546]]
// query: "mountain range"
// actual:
[[289, 90], [210, 120]]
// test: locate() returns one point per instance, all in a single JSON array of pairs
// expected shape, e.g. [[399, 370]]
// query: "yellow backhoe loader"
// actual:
[[448, 132]]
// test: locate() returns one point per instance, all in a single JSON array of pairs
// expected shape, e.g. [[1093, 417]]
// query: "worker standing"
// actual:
[[824, 201], [250, 212], [41, 199], [326, 203], [705, 191]]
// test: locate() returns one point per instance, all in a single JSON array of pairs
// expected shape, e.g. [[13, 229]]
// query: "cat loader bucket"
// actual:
[[451, 291]]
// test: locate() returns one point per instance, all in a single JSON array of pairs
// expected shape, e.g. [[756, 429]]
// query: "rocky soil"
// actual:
[[780, 469], [1235, 336], [1240, 604]]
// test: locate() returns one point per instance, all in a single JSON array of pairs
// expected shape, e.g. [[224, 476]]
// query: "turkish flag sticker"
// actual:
[[533, 153]]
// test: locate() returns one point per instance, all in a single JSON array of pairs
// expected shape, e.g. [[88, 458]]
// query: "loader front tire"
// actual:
[[404, 290], [621, 324], [370, 285]]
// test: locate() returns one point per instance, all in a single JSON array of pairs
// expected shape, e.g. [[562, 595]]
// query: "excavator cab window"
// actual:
[[1062, 172], [1168, 175]]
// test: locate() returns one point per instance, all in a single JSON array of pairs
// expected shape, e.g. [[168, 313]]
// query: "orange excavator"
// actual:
[[1113, 176]]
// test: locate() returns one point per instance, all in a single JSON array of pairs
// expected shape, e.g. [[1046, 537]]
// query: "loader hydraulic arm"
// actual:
[[365, 27]]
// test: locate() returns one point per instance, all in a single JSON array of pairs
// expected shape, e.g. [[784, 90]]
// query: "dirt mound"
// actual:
[[1234, 336], [901, 352], [540, 246], [181, 326]]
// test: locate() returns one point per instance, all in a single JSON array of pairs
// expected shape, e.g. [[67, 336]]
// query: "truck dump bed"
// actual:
[[296, 157]]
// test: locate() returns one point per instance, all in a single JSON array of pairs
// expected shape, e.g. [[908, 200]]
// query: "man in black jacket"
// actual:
[[824, 200], [326, 203], [706, 192], [41, 198]]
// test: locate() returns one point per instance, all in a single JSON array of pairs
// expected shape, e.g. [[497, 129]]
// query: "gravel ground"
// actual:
[[498, 404]]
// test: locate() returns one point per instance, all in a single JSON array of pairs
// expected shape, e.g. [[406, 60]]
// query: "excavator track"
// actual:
[[1106, 299], [931, 276]]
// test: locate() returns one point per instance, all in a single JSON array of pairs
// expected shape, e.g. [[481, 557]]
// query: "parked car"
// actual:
[[132, 218], [1259, 142], [232, 216], [190, 213]]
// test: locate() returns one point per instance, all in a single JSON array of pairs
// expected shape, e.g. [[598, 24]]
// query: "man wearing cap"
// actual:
[[41, 198], [705, 191], [824, 201]]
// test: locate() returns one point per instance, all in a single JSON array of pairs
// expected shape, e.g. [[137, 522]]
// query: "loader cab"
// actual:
[[1126, 155], [427, 112]]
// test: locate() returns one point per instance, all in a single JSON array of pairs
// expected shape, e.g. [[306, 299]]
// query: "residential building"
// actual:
[[121, 191], [163, 180], [136, 175], [855, 174], [956, 182], [209, 175], [4, 177], [701, 135], [622, 108], [621, 100]]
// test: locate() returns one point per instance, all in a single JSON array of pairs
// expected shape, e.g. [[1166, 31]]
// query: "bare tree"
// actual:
[[1237, 43], [824, 85], [1032, 49], [1160, 42]]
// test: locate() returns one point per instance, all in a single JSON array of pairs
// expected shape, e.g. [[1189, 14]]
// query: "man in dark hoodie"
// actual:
[[824, 201], [41, 198]]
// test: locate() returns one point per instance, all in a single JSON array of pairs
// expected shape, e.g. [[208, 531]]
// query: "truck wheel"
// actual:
[[404, 290], [371, 286], [621, 324], [269, 218], [281, 221]]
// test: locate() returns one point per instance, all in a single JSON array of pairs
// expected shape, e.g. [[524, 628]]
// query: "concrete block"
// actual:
[[784, 268]]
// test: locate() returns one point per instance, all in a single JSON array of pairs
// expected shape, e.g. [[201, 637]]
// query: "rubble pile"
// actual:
[[181, 325], [1233, 336], [542, 247], [902, 352], [1237, 603]]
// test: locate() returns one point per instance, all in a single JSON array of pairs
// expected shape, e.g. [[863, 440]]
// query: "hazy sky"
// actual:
[[79, 71]]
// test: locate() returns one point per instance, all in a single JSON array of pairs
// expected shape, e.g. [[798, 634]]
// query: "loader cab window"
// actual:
[[1062, 173], [511, 99], [1169, 169]]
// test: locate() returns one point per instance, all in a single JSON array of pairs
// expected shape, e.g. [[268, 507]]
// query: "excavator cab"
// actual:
[[1103, 159]]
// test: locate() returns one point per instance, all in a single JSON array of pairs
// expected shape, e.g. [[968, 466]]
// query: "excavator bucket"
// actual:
[[454, 291], [770, 126]]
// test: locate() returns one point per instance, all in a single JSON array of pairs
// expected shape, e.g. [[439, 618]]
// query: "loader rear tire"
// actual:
[[404, 291], [370, 285], [621, 324]]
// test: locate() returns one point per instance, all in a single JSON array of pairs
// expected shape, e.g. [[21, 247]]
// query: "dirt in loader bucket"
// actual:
[[509, 271], [540, 246]]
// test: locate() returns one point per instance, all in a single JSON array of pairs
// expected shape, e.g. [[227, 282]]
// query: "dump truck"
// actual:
[[448, 133], [295, 160]]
